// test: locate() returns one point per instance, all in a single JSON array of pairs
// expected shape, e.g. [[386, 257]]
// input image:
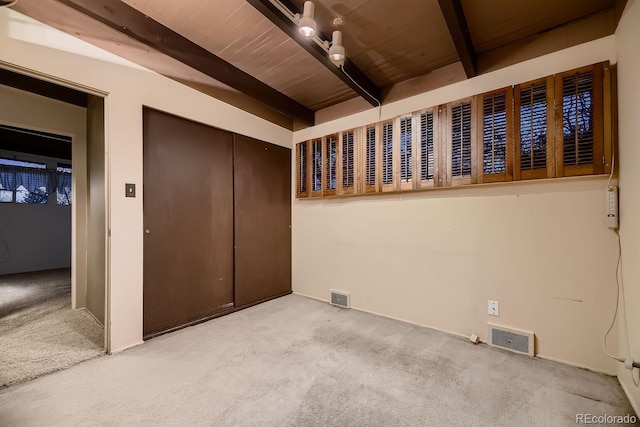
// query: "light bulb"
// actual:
[[307, 24]]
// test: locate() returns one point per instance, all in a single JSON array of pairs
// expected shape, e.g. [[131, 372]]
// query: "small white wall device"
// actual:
[[612, 207]]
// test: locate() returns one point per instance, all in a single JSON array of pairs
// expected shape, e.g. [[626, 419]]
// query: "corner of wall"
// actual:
[[627, 37]]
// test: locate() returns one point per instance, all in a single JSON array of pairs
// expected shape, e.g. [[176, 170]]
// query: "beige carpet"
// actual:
[[299, 362], [39, 332]]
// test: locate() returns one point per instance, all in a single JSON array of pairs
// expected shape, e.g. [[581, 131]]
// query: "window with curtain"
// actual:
[[31, 183], [63, 187], [25, 182]]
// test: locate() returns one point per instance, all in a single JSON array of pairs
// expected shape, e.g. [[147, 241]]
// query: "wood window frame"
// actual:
[[361, 168], [399, 184], [326, 191], [341, 190], [312, 142], [602, 121], [597, 166], [307, 175], [549, 171], [452, 181], [395, 161], [507, 175], [428, 183]]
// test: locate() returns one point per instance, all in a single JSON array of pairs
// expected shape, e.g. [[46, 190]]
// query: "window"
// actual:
[[63, 188], [427, 156], [348, 175], [331, 148], [24, 182], [555, 126], [387, 153], [406, 150], [577, 115], [579, 132], [494, 133], [302, 156], [534, 119], [371, 157], [460, 119], [316, 163]]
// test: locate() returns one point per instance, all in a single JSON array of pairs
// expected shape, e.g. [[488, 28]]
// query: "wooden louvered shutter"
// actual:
[[406, 150], [346, 169], [302, 169], [579, 122], [316, 167], [462, 149], [534, 129], [370, 157], [387, 156], [330, 162], [495, 127], [428, 138]]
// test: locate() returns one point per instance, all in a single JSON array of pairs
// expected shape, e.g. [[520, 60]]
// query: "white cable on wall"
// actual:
[[629, 362]]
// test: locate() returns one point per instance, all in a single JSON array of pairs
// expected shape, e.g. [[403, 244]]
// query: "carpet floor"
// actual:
[[295, 361], [39, 332]]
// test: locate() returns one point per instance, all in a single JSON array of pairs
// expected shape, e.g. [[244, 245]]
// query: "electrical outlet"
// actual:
[[494, 308]]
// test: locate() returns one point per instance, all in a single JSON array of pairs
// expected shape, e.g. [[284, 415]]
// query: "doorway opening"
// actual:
[[53, 230]]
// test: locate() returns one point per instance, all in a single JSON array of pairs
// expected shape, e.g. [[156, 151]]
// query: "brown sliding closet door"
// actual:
[[188, 221], [262, 187]]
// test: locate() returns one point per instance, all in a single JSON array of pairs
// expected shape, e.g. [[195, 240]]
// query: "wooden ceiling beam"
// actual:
[[135, 24], [459, 30], [43, 88], [356, 79]]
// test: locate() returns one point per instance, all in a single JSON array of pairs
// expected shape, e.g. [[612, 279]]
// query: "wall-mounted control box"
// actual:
[[611, 207]]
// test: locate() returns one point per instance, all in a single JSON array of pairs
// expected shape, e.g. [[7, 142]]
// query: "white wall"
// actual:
[[627, 42], [27, 44], [38, 237], [434, 258]]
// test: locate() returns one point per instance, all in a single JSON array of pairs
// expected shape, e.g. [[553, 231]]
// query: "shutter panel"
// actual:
[[533, 127], [427, 154], [387, 153], [461, 142], [316, 167], [406, 150], [535, 118], [577, 113], [496, 144], [577, 119], [580, 130], [370, 158], [494, 134], [330, 165], [348, 175], [302, 169]]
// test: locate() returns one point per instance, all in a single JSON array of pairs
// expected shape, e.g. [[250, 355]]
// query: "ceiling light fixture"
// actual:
[[8, 2], [307, 23], [336, 51]]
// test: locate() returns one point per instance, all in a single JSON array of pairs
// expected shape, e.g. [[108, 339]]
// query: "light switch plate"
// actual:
[[130, 190]]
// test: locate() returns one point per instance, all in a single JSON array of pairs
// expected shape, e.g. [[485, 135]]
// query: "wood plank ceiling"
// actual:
[[389, 42]]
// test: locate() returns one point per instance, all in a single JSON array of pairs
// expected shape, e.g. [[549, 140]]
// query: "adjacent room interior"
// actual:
[[356, 213], [52, 286]]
